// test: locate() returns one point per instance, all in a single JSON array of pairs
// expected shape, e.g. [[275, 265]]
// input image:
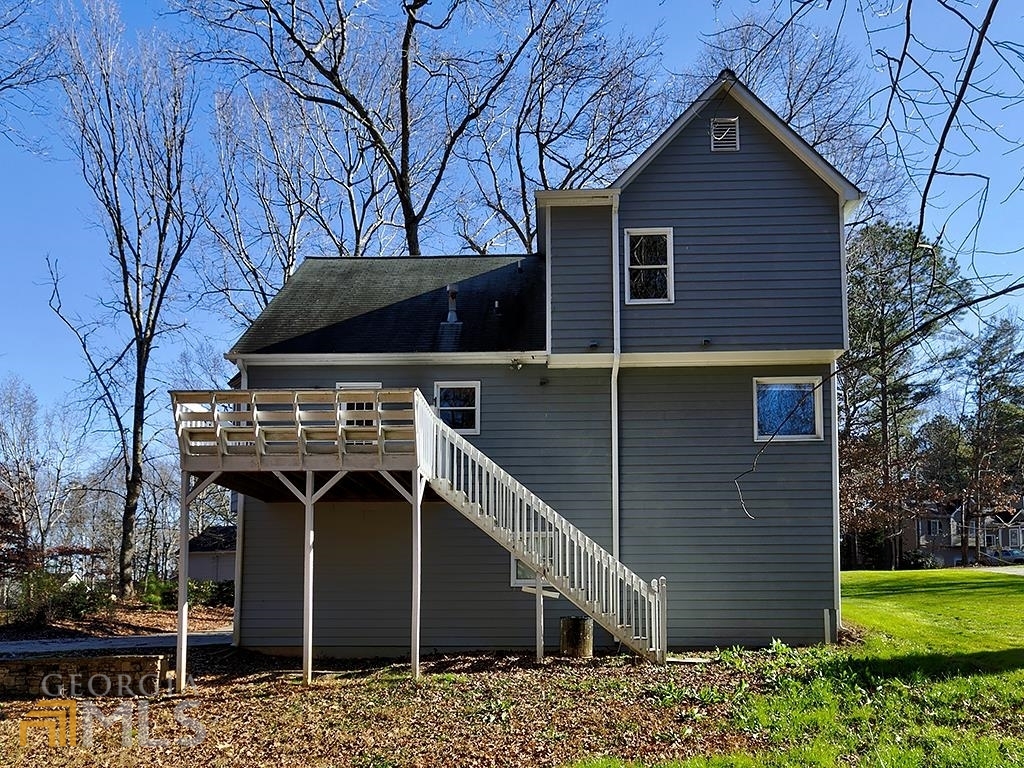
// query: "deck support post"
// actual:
[[418, 485], [539, 603], [307, 584], [181, 661]]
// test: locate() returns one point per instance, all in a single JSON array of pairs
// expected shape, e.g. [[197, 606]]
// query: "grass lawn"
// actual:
[[938, 681]]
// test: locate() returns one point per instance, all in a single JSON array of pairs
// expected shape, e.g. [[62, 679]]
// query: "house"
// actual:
[[211, 554], [636, 422], [938, 532]]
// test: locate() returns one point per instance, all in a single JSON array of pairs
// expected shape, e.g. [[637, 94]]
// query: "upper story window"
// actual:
[[458, 405], [787, 408], [649, 278], [725, 134]]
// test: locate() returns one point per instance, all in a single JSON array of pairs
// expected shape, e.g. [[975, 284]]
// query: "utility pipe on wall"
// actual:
[[616, 354]]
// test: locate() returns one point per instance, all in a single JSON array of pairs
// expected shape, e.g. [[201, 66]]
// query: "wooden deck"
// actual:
[[263, 430]]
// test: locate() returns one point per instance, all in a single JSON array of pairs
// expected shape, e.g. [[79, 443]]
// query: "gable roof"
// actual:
[[727, 83], [375, 305]]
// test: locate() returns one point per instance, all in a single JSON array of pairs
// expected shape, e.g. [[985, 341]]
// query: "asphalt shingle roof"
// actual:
[[216, 538], [380, 305]]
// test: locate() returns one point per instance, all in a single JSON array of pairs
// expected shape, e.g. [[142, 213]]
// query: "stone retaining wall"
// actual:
[[83, 676]]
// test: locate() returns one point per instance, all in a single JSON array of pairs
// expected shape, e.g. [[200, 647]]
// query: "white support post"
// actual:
[[307, 585], [181, 664], [236, 629], [418, 484], [539, 603]]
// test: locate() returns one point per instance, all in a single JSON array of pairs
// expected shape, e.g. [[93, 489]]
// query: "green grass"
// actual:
[[937, 683]]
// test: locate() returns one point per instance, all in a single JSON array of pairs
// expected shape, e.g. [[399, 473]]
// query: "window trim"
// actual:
[[515, 580], [815, 382], [475, 385], [357, 386], [669, 264]]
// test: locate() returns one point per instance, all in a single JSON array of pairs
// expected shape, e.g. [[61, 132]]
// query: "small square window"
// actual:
[[649, 273], [787, 408], [458, 405]]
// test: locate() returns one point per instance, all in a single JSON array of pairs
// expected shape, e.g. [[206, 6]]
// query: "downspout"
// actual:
[[236, 630], [616, 354]]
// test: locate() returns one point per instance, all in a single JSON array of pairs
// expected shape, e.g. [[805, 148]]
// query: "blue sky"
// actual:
[[45, 210]]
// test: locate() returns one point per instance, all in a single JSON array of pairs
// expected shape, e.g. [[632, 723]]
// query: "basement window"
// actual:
[[522, 574], [649, 278], [787, 408], [458, 405], [725, 134]]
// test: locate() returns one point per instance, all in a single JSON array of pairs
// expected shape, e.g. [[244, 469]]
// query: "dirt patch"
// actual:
[[119, 621], [471, 710]]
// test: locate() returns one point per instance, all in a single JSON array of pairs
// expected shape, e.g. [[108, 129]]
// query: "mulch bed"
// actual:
[[487, 710]]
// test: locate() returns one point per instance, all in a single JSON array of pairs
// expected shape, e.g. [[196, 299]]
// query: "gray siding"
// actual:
[[362, 575], [757, 245], [581, 280], [550, 429], [686, 435]]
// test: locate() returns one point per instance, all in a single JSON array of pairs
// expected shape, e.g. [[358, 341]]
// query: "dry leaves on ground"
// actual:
[[474, 710], [122, 620]]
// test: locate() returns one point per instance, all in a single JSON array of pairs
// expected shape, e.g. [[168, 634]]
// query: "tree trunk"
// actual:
[[133, 484]]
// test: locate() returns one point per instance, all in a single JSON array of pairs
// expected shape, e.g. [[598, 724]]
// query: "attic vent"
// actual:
[[725, 134]]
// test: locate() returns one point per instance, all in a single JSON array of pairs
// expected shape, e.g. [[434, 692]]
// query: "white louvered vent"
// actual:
[[725, 134]]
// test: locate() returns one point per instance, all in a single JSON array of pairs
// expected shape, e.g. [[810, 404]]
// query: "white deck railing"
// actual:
[[631, 609], [255, 430]]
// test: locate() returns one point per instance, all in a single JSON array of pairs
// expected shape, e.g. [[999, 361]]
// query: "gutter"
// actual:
[[616, 359]]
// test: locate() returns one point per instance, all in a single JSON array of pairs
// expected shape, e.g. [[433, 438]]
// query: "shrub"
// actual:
[[46, 598], [163, 593], [919, 560], [159, 593], [211, 593]]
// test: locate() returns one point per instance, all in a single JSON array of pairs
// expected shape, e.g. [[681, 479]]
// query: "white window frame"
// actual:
[[357, 385], [518, 581], [934, 527], [669, 264], [815, 382], [475, 385], [1014, 538]]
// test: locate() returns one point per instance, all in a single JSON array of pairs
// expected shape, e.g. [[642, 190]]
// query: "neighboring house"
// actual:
[[939, 533], [595, 409], [211, 554]]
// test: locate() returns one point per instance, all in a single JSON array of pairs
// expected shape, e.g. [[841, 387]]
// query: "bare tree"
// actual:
[[39, 451], [412, 77], [817, 82], [131, 111], [27, 54], [291, 183], [585, 103]]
